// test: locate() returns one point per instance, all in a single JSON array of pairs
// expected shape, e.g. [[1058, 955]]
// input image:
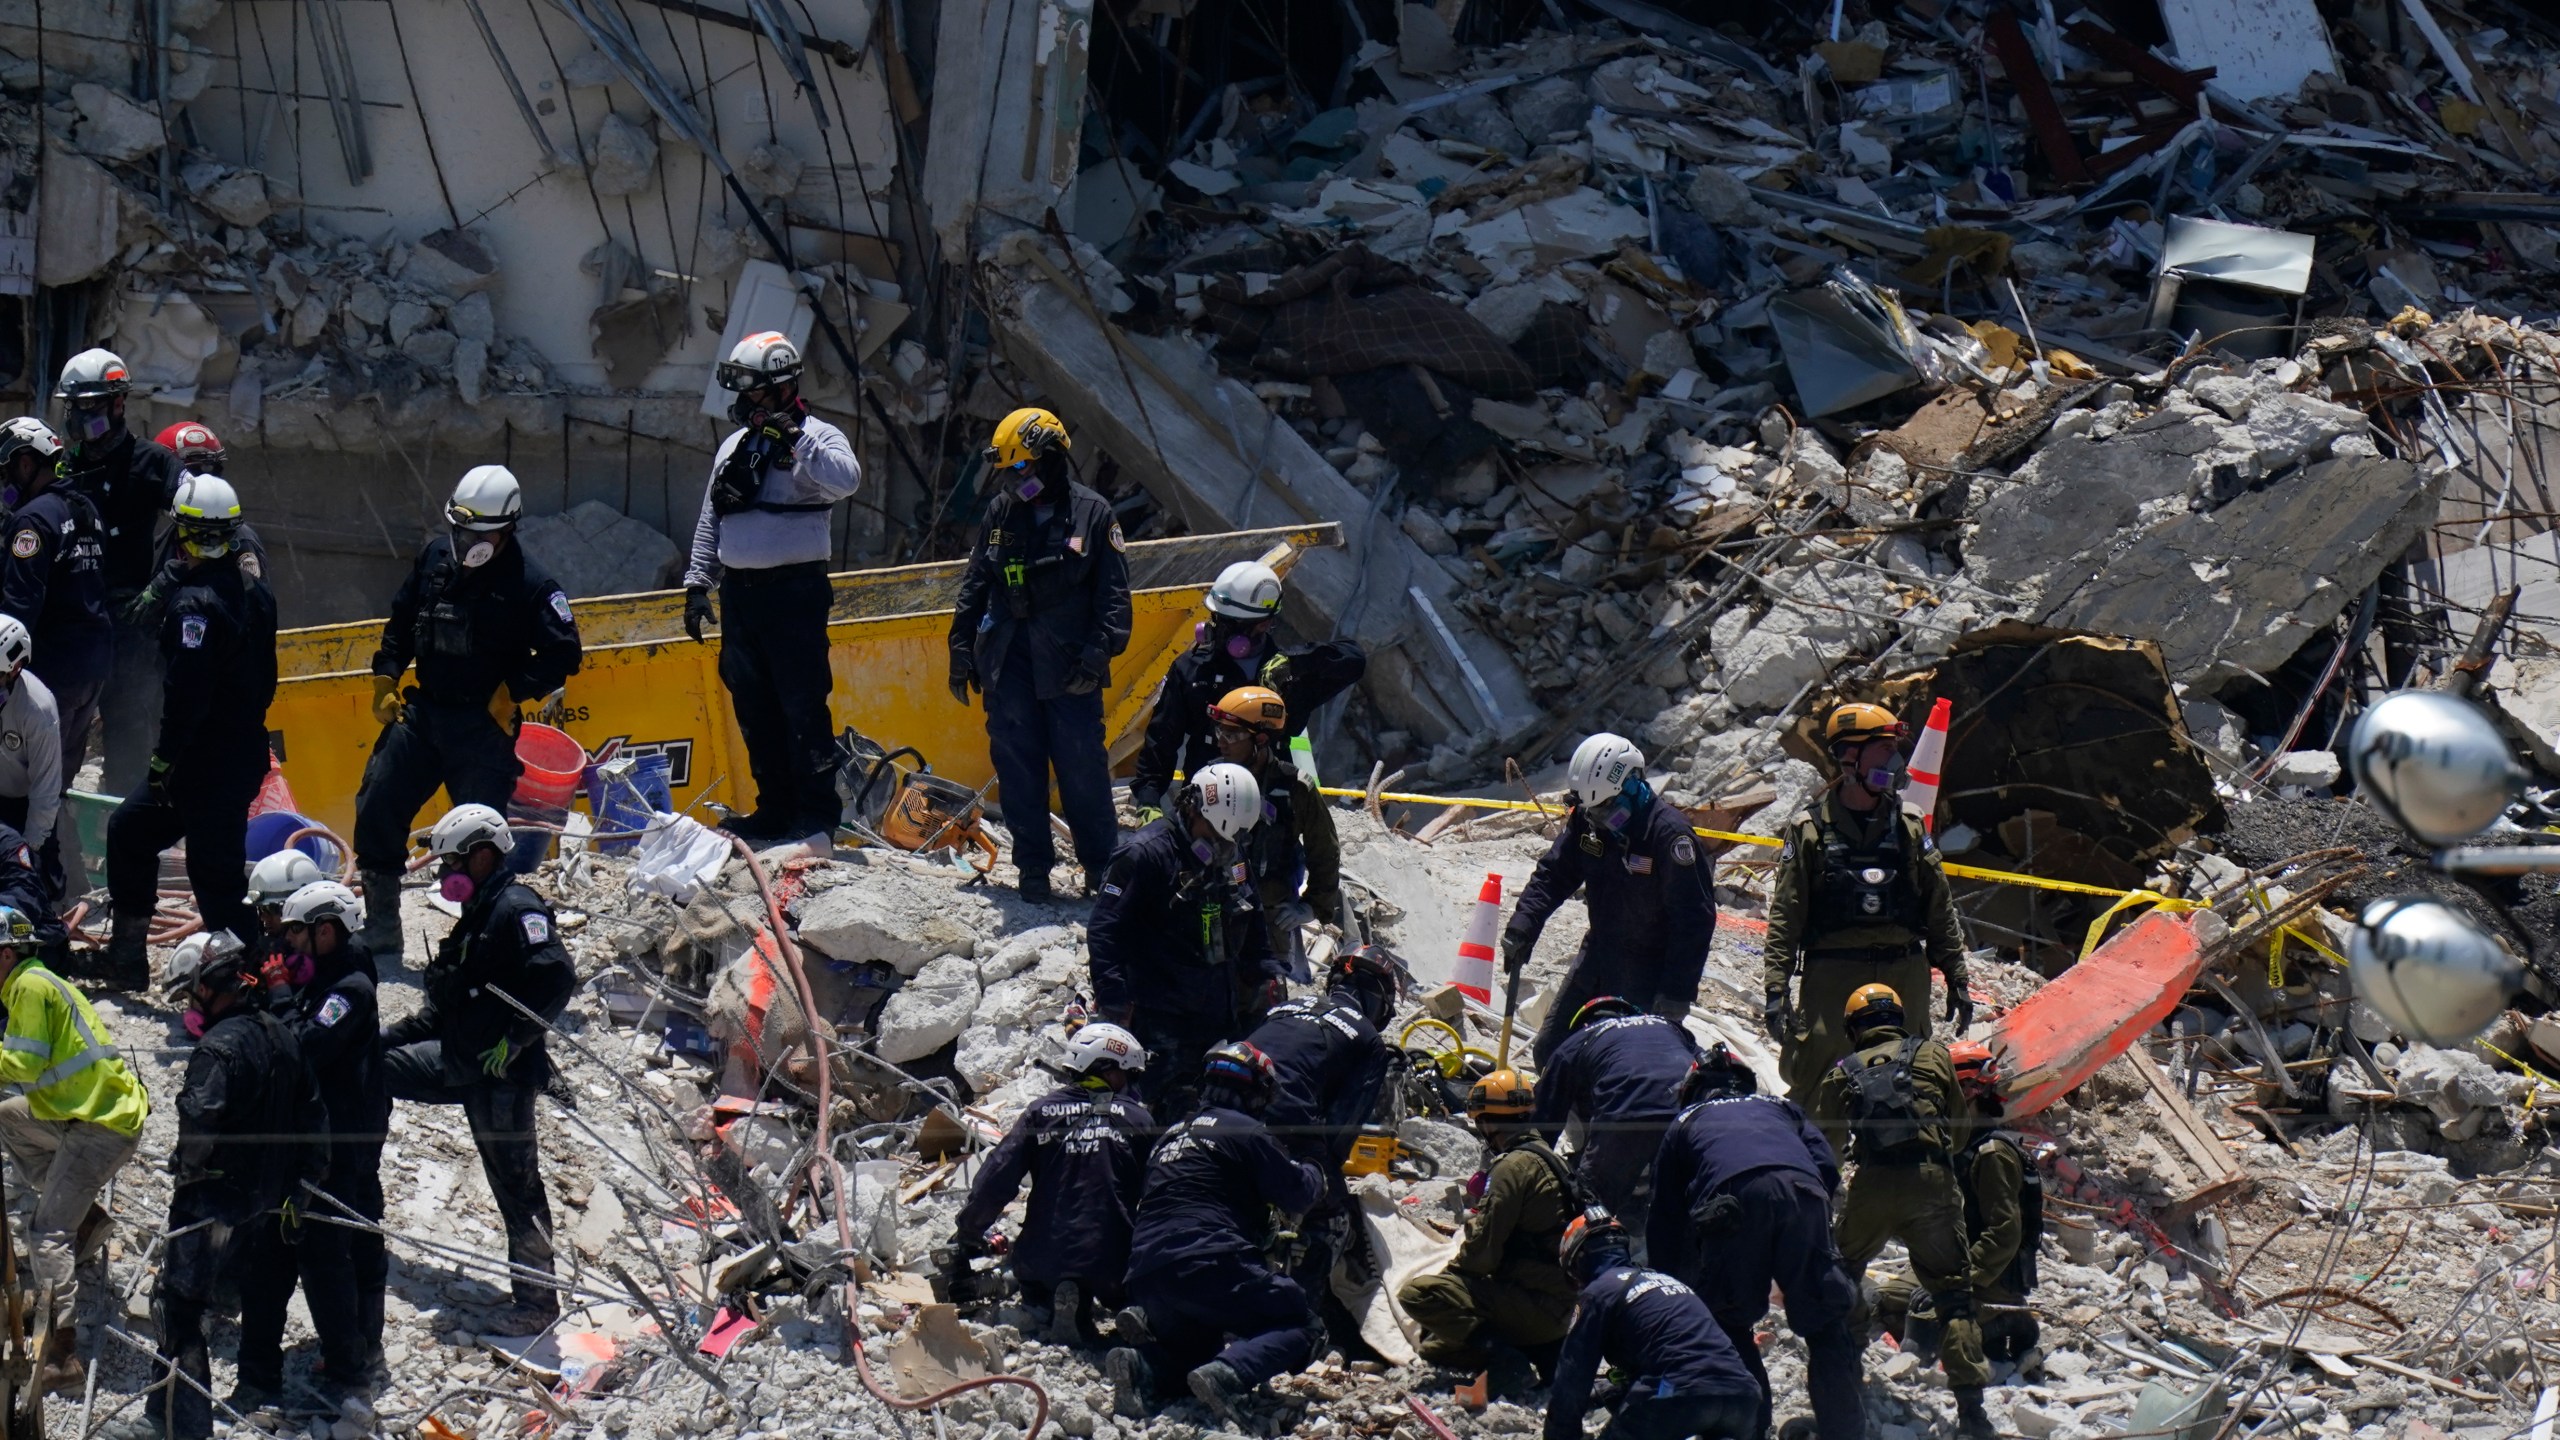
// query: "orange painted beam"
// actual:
[[2095, 1011]]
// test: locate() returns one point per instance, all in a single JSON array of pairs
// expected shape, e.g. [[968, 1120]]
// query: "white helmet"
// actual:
[[324, 900], [201, 954], [1103, 1044], [208, 514], [15, 644], [2430, 971], [280, 874], [26, 432], [93, 373], [464, 829], [2434, 763], [765, 358], [1601, 766], [487, 499], [1246, 590], [1229, 797]]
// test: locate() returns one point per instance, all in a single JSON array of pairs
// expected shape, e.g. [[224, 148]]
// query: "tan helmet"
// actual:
[[1857, 723], [1257, 708], [1870, 1006]]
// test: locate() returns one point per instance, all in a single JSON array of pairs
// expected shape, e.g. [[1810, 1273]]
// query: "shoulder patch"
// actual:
[[1684, 851], [27, 543], [537, 927], [250, 567], [332, 1010], [1118, 541], [26, 857], [560, 606], [191, 631]]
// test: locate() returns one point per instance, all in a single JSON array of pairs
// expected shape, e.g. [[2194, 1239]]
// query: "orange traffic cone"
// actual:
[[1473, 973], [1926, 758]]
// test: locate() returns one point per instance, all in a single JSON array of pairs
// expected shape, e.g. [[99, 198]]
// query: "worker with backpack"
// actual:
[[1893, 1106], [2003, 1221]]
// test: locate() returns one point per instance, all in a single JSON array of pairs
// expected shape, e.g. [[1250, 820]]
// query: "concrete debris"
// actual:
[[113, 127], [622, 156], [593, 549]]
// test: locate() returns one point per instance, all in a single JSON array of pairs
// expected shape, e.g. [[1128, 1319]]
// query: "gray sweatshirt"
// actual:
[[31, 756], [822, 471]]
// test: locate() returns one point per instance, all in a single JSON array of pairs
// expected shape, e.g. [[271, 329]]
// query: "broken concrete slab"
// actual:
[[594, 549]]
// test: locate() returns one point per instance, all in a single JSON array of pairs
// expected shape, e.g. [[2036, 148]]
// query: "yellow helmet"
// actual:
[[1870, 1006], [1858, 723], [1256, 708], [1026, 434], [1502, 1095]]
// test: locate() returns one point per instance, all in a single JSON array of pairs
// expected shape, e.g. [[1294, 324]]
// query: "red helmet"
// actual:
[[199, 449]]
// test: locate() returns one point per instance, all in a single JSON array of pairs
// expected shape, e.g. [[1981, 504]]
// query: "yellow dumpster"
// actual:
[[646, 687]]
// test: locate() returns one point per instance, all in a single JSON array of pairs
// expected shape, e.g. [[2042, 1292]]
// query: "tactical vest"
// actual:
[[1870, 883], [1888, 1118], [1540, 1245], [2020, 1277]]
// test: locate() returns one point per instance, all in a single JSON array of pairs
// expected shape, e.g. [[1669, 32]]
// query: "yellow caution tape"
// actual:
[[2538, 1078], [2131, 898]]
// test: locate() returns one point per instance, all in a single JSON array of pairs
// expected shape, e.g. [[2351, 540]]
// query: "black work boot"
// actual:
[[1218, 1386], [1036, 889], [382, 914], [1972, 1421], [1508, 1373], [127, 963], [1131, 1382]]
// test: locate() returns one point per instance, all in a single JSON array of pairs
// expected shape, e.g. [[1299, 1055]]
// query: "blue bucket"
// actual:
[[267, 834], [627, 804]]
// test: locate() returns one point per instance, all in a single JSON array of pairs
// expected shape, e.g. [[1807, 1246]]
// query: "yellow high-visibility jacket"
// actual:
[[56, 1055]]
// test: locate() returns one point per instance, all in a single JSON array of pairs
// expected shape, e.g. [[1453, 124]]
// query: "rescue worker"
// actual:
[[1650, 891], [218, 640], [1503, 1302], [1237, 645], [1196, 1272], [1684, 1378], [490, 631], [198, 449], [2003, 1220], [1742, 1201], [466, 1045], [1893, 1106], [272, 881], [73, 1118], [28, 889], [53, 580], [131, 482], [1860, 899], [1296, 839], [1329, 1059], [251, 1130], [1177, 947], [322, 987], [32, 773], [1044, 608], [1084, 1149], [1618, 1072], [763, 538]]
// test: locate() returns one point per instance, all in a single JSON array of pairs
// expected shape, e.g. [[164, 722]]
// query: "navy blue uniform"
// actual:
[[53, 579], [1178, 947], [1195, 1261], [1084, 1152], [1621, 1077], [470, 630], [505, 943], [1742, 1201], [1180, 735], [218, 652], [1651, 894], [337, 1027], [1685, 1377], [24, 889], [131, 481], [1331, 1063], [1044, 607]]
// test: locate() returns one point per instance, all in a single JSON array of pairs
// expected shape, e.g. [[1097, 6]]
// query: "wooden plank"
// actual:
[[2159, 74], [2044, 113], [2194, 1138]]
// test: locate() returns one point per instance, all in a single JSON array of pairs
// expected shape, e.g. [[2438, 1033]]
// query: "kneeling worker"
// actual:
[[2003, 1218], [1044, 608], [1504, 1301], [1685, 1379], [1084, 1147], [1894, 1105], [489, 630], [71, 1122]]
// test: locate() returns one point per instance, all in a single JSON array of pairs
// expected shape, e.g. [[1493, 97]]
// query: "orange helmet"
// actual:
[[1977, 1068], [1252, 707], [1502, 1095], [1856, 724]]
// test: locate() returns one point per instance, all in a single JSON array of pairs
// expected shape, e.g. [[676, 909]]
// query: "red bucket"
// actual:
[[553, 766]]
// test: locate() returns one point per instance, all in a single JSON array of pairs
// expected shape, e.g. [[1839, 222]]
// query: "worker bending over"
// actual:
[[218, 648], [1295, 844], [1742, 1201], [1685, 1379], [1239, 644], [73, 1118], [2003, 1221], [1196, 1270], [763, 537], [1650, 891], [1860, 898], [1503, 1303], [1044, 609], [468, 1045], [1618, 1073], [1177, 947], [489, 631], [1084, 1148], [1893, 1105]]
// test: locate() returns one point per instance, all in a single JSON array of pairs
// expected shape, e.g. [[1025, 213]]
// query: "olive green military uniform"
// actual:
[[1849, 933], [1506, 1283], [1906, 1190], [1990, 1172], [1319, 847]]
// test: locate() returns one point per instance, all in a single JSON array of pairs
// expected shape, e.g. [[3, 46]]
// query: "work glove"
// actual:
[[1271, 992], [697, 610], [276, 974], [144, 604], [963, 680], [493, 1061], [387, 708], [502, 708], [289, 1220], [1086, 677], [1515, 952], [1774, 1009], [156, 788], [1959, 1006], [1275, 671], [1150, 814]]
